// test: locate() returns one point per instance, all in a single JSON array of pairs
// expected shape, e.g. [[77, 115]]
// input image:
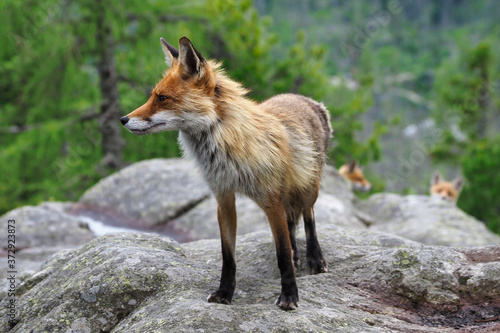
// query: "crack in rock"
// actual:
[[183, 210]]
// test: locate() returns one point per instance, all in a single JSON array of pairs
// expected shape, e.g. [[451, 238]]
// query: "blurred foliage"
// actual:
[[51, 145], [481, 194], [466, 95]]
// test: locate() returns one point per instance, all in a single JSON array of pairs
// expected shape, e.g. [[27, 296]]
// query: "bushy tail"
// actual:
[[327, 125]]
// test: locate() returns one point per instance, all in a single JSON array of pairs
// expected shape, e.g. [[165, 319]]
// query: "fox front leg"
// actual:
[[226, 216]]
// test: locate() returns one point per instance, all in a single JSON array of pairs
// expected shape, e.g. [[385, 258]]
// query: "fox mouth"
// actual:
[[143, 131]]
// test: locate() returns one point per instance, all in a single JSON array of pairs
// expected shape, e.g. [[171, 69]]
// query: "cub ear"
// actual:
[[458, 183], [436, 178], [171, 53], [352, 166], [191, 60]]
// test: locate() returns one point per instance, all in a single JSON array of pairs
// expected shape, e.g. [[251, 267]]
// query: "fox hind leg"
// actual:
[[315, 260]]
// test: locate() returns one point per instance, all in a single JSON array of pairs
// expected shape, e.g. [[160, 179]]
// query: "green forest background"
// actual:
[[412, 86]]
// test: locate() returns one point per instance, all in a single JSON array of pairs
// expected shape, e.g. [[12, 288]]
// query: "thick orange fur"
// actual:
[[272, 152]]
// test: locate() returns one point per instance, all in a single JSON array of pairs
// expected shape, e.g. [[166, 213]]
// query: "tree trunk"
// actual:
[[109, 124]]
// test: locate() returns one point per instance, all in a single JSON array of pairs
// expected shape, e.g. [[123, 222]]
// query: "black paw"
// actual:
[[317, 265], [220, 297], [288, 302]]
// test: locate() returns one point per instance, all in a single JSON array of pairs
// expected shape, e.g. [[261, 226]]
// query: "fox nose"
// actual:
[[124, 120]]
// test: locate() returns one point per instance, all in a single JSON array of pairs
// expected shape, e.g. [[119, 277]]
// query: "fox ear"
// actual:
[[171, 53], [191, 60], [352, 166], [436, 178], [458, 183]]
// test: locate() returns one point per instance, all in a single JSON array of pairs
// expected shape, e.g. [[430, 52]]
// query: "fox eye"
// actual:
[[162, 98]]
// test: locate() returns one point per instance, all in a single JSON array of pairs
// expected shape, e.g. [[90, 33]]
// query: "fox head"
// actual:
[[183, 99], [352, 172], [445, 190]]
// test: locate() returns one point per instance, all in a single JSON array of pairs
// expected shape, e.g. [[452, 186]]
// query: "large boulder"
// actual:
[[147, 283], [41, 231], [169, 196], [426, 220], [151, 192]]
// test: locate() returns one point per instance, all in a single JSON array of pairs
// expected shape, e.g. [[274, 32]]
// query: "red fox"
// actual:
[[445, 190], [273, 152], [353, 173]]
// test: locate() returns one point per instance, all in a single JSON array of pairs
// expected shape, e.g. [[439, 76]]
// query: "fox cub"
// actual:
[[445, 190], [353, 172], [273, 152]]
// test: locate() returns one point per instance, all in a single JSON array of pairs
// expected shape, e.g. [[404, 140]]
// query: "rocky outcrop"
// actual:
[[426, 220], [138, 282], [143, 282], [166, 196], [41, 231], [150, 193]]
